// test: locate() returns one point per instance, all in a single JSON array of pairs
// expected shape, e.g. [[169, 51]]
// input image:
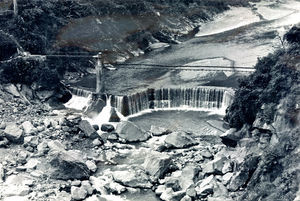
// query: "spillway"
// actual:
[[211, 98]]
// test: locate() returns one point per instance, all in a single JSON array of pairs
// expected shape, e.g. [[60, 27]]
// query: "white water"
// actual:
[[79, 102]]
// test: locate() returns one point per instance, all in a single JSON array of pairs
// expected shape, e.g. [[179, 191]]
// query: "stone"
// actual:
[[179, 140], [186, 198], [42, 148], [160, 189], [87, 186], [132, 178], [206, 187], [2, 173], [91, 165], [16, 198], [56, 146], [229, 138], [226, 178], [32, 163], [188, 176], [114, 117], [220, 190], [13, 133], [131, 132], [78, 193], [88, 129], [76, 183], [97, 142], [156, 164], [3, 142], [107, 128], [31, 141], [167, 194], [215, 166], [69, 165], [47, 123], [28, 127], [12, 89], [158, 131], [206, 154], [45, 94], [96, 127], [16, 190], [241, 177], [2, 125], [219, 199], [228, 167]]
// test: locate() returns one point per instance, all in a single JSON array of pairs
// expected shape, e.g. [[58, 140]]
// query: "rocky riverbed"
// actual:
[[49, 154]]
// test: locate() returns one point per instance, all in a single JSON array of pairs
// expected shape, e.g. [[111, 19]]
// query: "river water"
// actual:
[[235, 38]]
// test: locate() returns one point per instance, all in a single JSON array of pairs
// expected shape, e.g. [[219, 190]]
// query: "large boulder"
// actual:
[[131, 132], [88, 129], [156, 164], [68, 165], [179, 139], [13, 133]]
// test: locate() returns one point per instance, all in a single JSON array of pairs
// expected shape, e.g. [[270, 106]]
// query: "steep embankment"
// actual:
[[266, 110]]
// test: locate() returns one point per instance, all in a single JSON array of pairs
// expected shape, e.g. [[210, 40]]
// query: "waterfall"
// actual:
[[79, 102], [210, 98], [80, 92]]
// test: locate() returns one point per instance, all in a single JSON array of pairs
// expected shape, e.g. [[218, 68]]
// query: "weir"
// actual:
[[203, 97], [210, 98]]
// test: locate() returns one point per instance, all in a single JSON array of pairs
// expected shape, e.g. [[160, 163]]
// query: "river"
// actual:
[[235, 38]]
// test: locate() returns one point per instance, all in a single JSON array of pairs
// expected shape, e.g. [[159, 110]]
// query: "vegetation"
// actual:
[[260, 93]]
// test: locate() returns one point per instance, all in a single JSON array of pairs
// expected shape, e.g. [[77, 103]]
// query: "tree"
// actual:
[[15, 7]]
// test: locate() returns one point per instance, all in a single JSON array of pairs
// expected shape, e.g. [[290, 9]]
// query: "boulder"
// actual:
[[12, 89], [91, 165], [114, 117], [55, 146], [156, 164], [31, 141], [179, 140], [13, 133], [131, 132], [28, 127], [2, 125], [132, 178], [205, 187], [68, 165], [87, 186], [78, 193], [88, 129], [240, 178], [188, 176], [215, 166], [45, 94], [107, 128], [229, 138], [158, 131]]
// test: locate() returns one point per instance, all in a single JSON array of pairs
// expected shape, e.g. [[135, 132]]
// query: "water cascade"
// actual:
[[206, 98]]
